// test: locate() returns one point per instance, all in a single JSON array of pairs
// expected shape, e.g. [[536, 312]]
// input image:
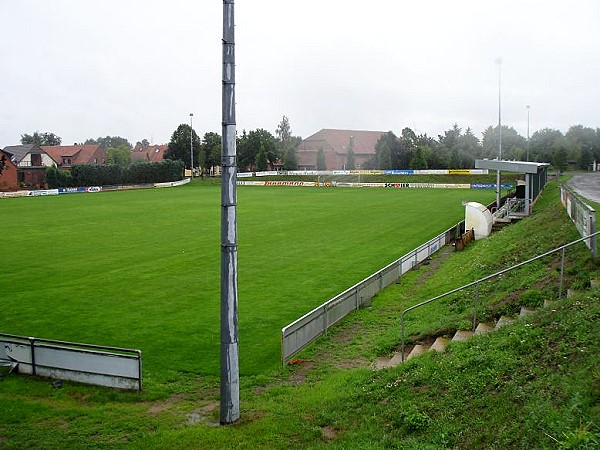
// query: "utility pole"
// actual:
[[230, 373]]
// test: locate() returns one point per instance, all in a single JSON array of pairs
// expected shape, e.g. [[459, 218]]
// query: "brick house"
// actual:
[[334, 144], [66, 156], [31, 161], [8, 176]]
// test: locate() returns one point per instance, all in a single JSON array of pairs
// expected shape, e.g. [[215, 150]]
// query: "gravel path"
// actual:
[[587, 185]]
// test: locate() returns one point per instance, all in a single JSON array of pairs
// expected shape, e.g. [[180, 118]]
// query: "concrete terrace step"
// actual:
[[440, 344], [505, 320], [462, 335], [483, 328], [417, 350], [549, 303], [525, 311]]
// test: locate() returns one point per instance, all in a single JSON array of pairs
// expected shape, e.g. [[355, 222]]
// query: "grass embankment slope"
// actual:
[[535, 384]]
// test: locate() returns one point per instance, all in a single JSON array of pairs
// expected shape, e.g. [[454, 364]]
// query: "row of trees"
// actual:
[[256, 150], [457, 149]]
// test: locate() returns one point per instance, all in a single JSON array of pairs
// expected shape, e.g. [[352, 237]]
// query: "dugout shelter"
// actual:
[[536, 176]]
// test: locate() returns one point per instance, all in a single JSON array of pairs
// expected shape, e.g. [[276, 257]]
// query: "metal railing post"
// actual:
[[562, 270], [476, 306], [32, 349], [402, 334]]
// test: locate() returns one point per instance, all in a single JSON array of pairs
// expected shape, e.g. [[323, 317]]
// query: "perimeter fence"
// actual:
[[300, 333], [582, 215]]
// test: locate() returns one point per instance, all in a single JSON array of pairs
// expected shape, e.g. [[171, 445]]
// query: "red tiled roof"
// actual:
[[79, 154], [335, 146], [152, 153]]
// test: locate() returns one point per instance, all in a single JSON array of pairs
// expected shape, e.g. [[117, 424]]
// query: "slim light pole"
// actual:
[[498, 190], [528, 107], [230, 373], [192, 144]]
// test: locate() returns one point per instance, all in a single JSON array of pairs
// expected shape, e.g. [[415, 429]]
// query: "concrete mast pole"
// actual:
[[230, 374], [498, 188]]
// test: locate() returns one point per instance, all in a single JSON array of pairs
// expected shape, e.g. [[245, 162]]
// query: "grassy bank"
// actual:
[[535, 384]]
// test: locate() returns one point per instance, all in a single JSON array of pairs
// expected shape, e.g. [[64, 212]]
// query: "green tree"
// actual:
[[403, 152], [261, 162], [41, 138], [387, 149], [211, 148], [513, 144], [459, 149], [179, 146], [384, 156], [541, 144], [287, 144], [56, 178], [249, 144], [321, 164], [109, 141], [559, 156], [582, 145], [419, 161], [121, 156]]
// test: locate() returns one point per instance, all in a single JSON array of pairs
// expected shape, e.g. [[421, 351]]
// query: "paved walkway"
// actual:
[[587, 185]]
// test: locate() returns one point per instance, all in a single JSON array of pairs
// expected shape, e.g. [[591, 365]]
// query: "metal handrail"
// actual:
[[489, 277]]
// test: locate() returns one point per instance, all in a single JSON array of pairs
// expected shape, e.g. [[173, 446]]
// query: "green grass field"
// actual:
[[534, 384], [141, 268]]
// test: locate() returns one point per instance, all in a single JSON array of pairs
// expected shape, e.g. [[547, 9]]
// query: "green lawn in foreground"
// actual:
[[141, 268]]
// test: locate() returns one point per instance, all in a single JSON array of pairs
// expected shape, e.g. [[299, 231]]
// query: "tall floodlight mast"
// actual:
[[230, 373], [498, 187]]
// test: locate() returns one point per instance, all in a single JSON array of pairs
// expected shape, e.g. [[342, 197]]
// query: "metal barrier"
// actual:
[[582, 215], [512, 206], [489, 277], [92, 364], [298, 334]]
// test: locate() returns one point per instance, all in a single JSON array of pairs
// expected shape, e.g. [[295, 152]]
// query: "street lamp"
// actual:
[[192, 144], [499, 62], [528, 107]]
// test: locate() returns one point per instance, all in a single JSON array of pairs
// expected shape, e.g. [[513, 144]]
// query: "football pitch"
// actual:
[[141, 269]]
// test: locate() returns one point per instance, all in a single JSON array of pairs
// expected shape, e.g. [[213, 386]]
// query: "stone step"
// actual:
[[549, 303], [462, 335], [483, 328], [594, 283], [525, 311], [440, 344], [505, 320], [417, 350], [396, 359], [382, 362]]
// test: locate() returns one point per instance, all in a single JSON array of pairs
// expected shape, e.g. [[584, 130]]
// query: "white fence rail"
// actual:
[[92, 364], [300, 333]]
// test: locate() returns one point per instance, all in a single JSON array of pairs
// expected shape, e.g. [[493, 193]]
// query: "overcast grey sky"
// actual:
[[137, 68]]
